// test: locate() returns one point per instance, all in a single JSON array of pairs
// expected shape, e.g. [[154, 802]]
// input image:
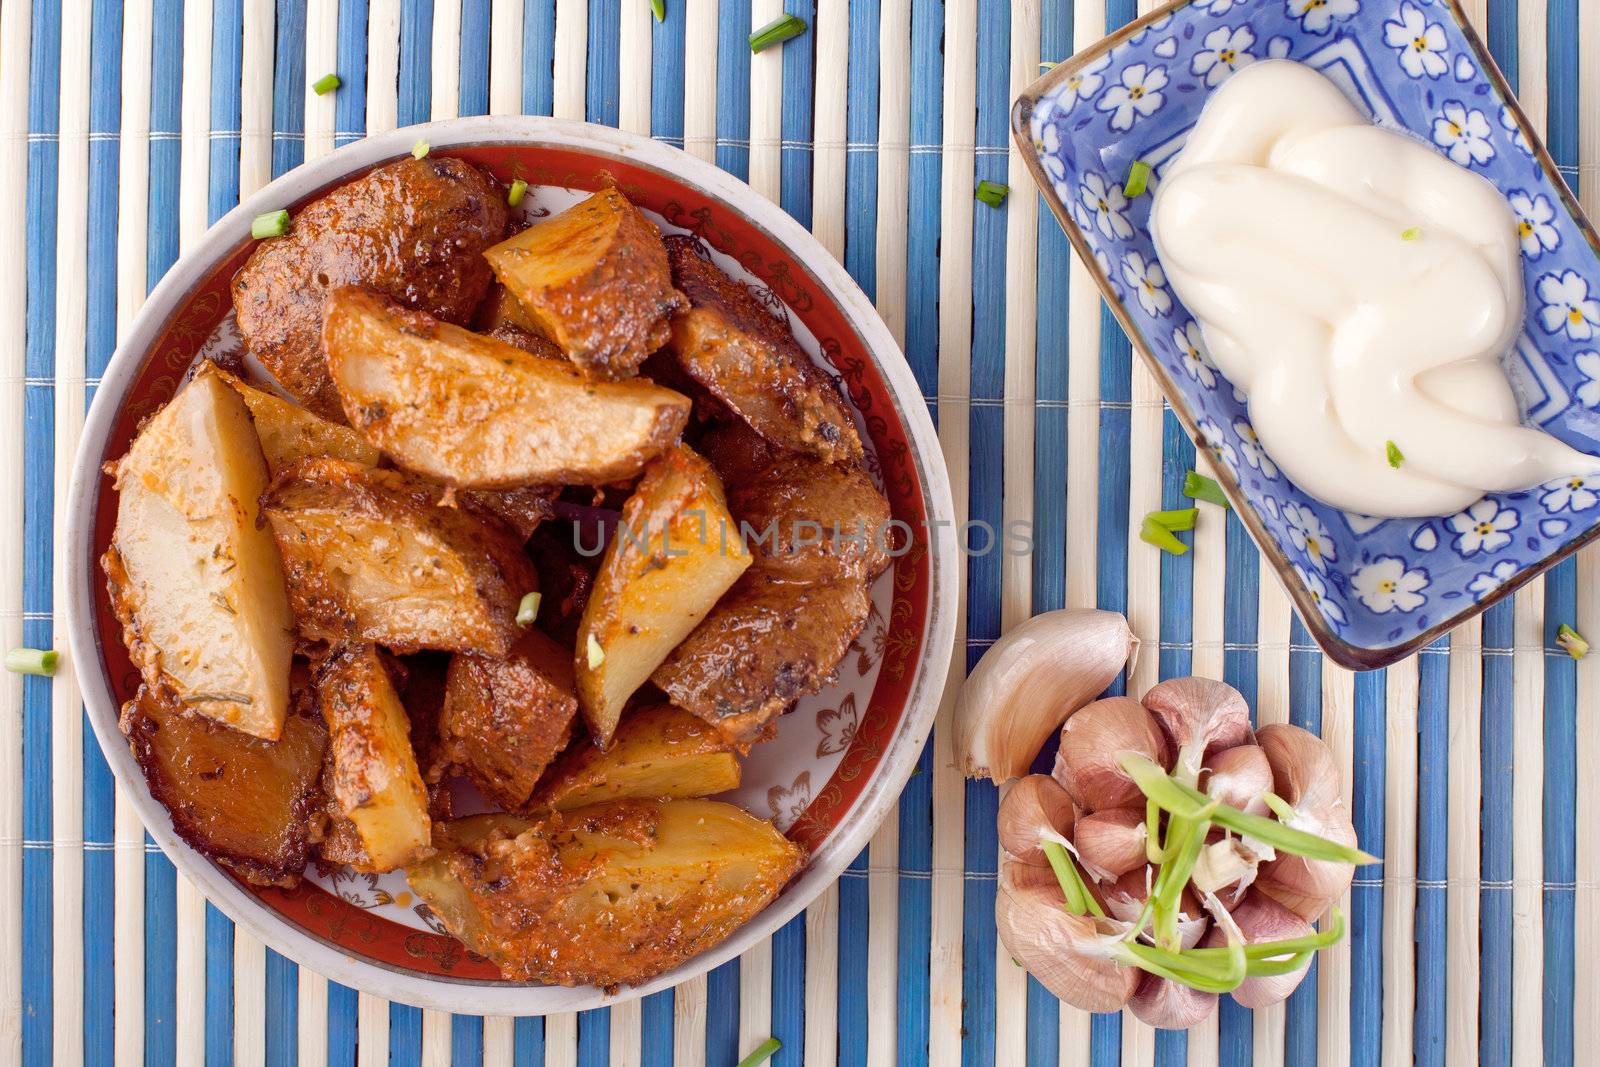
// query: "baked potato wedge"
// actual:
[[766, 644], [605, 895], [414, 230], [806, 520], [372, 555], [249, 804], [675, 552], [594, 279], [289, 432], [659, 751], [475, 412], [733, 346], [373, 779], [193, 575], [504, 719]]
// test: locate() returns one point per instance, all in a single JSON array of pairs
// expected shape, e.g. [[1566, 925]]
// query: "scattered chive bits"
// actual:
[[1047, 64], [992, 193], [1568, 638], [272, 224], [783, 28], [326, 84], [420, 150], [762, 1053], [40, 661], [658, 8], [596, 654], [528, 610], [1152, 532], [519, 189], [1395, 456], [1176, 521], [1138, 179], [1412, 234], [1199, 487]]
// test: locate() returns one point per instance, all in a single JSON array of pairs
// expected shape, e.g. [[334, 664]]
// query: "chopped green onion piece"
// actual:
[[519, 189], [1047, 64], [658, 8], [1153, 533], [992, 193], [272, 224], [1267, 950], [1199, 487], [421, 149], [41, 661], [1176, 521], [1138, 178], [762, 1053], [1572, 641], [1396, 457], [777, 31], [1412, 234], [1079, 899], [326, 84], [528, 610], [596, 654], [1280, 807]]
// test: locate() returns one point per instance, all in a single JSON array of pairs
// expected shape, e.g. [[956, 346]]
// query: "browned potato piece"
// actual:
[[660, 751], [505, 719], [371, 555], [605, 895], [675, 552], [729, 343], [247, 803], [737, 452], [593, 279], [373, 776], [521, 510], [194, 577], [475, 412], [813, 521], [414, 230], [289, 432], [766, 644]]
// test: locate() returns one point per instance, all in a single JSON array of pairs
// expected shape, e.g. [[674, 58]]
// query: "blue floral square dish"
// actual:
[[1371, 591]]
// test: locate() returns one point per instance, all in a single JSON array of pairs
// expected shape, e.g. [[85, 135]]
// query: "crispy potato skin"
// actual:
[[475, 412], [373, 777], [729, 343], [414, 230], [504, 719], [607, 895], [249, 804], [520, 510], [193, 578], [767, 644], [594, 279], [659, 751], [289, 432], [826, 521], [674, 554], [372, 555]]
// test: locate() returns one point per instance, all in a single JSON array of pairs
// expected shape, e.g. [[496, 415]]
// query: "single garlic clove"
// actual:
[[1033, 804], [1065, 952], [1238, 777], [1030, 681], [1111, 842], [1261, 918], [1091, 741], [1306, 776], [1199, 716], [1228, 864], [1016, 875], [1170, 1005]]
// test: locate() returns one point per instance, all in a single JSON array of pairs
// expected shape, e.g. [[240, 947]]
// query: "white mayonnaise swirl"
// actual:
[[1361, 289]]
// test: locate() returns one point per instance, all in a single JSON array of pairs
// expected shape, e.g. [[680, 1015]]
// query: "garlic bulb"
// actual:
[[1170, 1005], [1065, 952], [1091, 741], [1111, 842], [1033, 804], [1306, 777], [1199, 715], [1238, 777], [1030, 681], [1261, 918]]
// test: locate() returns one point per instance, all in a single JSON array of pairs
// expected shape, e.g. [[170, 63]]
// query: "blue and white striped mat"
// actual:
[[125, 127]]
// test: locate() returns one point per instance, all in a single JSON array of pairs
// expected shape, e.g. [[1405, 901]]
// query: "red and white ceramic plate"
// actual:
[[839, 760]]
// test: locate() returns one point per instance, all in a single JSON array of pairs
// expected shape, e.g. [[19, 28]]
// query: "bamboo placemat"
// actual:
[[126, 127]]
